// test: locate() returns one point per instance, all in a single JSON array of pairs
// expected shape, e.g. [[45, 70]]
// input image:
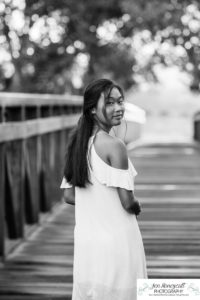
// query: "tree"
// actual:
[[58, 47], [174, 27], [46, 49]]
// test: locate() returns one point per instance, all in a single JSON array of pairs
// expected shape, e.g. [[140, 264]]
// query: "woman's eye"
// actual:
[[111, 102]]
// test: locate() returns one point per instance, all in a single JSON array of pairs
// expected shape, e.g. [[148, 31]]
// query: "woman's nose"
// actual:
[[118, 107]]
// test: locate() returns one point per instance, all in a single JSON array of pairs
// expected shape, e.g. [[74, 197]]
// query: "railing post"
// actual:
[[31, 182], [14, 172], [45, 186], [2, 208], [197, 126]]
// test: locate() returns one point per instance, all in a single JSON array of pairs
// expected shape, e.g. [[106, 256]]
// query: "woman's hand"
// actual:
[[69, 196], [136, 207]]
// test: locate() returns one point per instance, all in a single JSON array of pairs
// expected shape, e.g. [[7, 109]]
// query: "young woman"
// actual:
[[99, 180]]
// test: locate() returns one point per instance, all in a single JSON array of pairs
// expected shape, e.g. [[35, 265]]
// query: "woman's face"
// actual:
[[110, 111]]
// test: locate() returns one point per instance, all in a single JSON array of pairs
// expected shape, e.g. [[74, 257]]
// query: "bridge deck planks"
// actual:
[[41, 267]]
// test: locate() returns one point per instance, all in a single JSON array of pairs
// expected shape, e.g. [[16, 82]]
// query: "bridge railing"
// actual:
[[33, 134]]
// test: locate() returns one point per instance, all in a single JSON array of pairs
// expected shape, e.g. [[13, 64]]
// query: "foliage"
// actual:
[[58, 47], [175, 32]]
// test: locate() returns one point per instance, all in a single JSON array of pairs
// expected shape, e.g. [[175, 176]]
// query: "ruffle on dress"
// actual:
[[65, 184], [113, 177]]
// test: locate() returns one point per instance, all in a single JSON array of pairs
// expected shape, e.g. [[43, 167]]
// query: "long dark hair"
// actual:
[[76, 166]]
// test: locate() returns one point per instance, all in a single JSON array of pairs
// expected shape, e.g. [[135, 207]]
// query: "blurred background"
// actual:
[[57, 47]]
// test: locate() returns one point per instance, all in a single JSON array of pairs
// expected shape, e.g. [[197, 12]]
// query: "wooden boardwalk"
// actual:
[[168, 187], [169, 190]]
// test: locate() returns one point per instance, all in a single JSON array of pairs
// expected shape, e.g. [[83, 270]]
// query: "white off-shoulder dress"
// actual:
[[108, 249]]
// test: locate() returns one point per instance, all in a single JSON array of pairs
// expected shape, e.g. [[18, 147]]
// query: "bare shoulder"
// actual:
[[118, 154], [113, 150]]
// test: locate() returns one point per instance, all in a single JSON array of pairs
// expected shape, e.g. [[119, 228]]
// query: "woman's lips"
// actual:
[[118, 116]]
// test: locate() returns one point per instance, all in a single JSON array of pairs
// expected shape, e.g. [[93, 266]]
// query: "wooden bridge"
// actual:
[[33, 133]]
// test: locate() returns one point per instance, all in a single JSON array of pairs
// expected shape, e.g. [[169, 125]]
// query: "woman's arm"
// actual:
[[128, 201], [119, 159], [69, 195]]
